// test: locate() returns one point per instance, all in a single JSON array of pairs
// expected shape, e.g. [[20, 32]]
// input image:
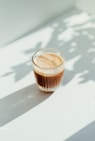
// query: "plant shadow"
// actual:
[[74, 35]]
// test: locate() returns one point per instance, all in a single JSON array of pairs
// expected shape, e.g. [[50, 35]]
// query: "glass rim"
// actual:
[[41, 49]]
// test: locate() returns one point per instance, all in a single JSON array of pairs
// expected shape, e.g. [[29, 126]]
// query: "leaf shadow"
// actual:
[[74, 35]]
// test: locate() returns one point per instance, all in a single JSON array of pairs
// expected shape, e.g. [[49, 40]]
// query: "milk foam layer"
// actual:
[[48, 60]]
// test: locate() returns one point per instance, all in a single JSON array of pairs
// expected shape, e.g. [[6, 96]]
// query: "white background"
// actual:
[[19, 17], [87, 5], [69, 113]]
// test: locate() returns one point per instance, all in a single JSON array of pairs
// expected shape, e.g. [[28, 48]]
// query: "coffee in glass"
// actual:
[[48, 65]]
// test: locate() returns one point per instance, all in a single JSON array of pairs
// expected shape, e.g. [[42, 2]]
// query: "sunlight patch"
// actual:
[[77, 19], [67, 35], [70, 64]]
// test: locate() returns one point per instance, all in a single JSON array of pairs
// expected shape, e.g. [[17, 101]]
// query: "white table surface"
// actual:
[[26, 114]]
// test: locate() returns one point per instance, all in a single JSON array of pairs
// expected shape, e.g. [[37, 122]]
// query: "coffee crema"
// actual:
[[49, 62]]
